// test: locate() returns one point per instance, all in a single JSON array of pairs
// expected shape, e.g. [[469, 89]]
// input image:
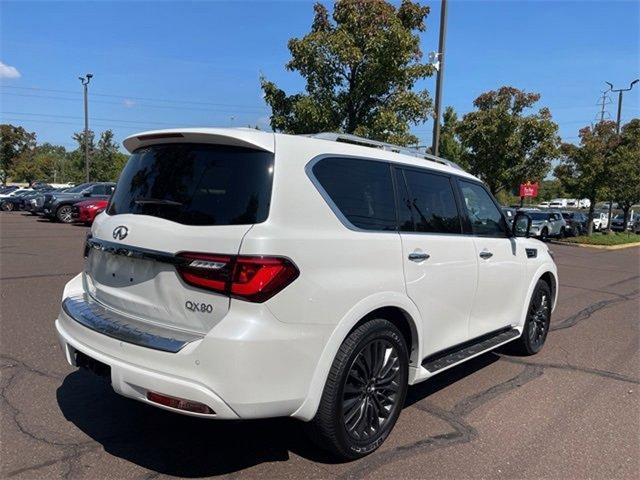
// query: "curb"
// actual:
[[598, 247]]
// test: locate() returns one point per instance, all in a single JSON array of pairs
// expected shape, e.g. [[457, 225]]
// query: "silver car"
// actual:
[[545, 224]]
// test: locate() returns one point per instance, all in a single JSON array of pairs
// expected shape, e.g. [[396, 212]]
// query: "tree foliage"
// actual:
[[52, 163], [450, 146], [502, 144], [14, 142], [360, 67], [585, 171], [625, 168]]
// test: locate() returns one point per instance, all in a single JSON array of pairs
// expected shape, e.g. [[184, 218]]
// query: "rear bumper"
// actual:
[[250, 365]]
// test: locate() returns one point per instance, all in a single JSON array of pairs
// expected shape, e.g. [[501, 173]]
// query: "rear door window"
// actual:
[[431, 202], [361, 191], [196, 184]]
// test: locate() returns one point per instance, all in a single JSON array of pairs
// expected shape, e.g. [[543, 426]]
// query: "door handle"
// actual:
[[418, 256], [486, 254]]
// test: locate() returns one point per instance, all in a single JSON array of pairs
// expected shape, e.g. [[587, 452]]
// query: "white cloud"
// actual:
[[128, 103], [7, 71]]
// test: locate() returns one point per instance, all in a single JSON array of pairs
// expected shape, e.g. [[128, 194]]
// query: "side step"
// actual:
[[456, 354]]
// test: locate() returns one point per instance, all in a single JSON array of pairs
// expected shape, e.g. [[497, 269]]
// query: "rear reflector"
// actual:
[[255, 279], [179, 403]]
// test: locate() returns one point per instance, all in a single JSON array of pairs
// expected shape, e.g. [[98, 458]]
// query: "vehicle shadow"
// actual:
[[183, 446]]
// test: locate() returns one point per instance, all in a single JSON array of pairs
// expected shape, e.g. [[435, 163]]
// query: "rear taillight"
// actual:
[[255, 279]]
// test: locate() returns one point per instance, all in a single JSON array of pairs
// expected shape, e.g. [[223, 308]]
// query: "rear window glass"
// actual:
[[361, 190], [196, 184]]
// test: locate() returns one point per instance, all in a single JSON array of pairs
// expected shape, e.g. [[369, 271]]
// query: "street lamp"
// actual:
[[85, 83]]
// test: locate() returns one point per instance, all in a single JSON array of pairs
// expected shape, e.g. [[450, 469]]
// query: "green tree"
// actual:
[[502, 144], [14, 142], [44, 163], [550, 189], [585, 169], [450, 146], [360, 67], [625, 169], [107, 161], [76, 171]]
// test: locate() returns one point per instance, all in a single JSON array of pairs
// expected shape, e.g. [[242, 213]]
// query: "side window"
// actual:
[[431, 203], [361, 189], [98, 190], [484, 216]]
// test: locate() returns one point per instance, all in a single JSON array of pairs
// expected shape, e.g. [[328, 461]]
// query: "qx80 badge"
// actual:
[[120, 233]]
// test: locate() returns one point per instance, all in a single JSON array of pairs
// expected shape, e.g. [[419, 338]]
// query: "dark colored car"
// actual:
[[15, 202], [60, 207], [617, 222], [7, 189], [576, 223]]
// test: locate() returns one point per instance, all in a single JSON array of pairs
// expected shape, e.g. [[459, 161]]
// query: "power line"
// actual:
[[151, 99], [75, 117]]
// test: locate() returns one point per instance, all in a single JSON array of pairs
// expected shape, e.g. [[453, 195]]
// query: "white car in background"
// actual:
[[600, 220], [241, 274]]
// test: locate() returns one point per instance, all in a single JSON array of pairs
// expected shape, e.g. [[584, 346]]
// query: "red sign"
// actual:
[[529, 189]]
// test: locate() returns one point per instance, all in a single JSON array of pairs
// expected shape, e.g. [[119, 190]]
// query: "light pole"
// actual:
[[85, 83], [620, 91], [435, 147]]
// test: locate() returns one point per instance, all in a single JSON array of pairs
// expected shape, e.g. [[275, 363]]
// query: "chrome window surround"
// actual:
[[93, 315]]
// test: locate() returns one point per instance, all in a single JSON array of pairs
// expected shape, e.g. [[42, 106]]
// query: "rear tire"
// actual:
[[7, 206], [364, 393], [536, 326], [544, 234]]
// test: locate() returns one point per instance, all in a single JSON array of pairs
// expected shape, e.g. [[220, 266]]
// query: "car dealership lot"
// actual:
[[573, 411]]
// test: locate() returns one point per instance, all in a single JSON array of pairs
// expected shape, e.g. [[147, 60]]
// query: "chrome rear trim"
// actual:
[[95, 316]]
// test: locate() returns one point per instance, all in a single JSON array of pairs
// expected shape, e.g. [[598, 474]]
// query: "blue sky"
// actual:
[[166, 64]]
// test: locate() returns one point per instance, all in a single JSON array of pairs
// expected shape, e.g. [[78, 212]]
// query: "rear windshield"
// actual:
[[196, 184]]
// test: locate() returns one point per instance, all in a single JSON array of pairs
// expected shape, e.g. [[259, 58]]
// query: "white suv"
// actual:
[[241, 274]]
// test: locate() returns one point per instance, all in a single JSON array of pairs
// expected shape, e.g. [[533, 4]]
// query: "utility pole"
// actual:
[[85, 83], [604, 101], [619, 90], [440, 77]]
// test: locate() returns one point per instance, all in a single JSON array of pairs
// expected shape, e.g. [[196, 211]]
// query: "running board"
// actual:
[[461, 352]]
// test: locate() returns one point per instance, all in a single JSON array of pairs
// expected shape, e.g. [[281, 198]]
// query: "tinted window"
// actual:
[[196, 184], [538, 215], [361, 189], [102, 190], [431, 203], [485, 217]]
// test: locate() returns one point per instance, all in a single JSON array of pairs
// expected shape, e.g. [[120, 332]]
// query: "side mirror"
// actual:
[[521, 225]]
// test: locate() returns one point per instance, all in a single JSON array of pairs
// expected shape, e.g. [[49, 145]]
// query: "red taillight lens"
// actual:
[[179, 403], [259, 278], [255, 279], [206, 271]]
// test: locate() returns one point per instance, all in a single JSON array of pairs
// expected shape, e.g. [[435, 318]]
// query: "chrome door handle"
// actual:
[[418, 256], [486, 254]]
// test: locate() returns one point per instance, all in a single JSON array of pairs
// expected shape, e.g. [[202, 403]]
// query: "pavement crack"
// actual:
[[462, 431], [575, 368], [588, 311]]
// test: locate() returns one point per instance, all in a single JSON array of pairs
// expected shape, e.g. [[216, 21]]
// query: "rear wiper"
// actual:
[[156, 201]]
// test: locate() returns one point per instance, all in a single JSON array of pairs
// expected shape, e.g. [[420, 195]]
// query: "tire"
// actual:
[[7, 206], [353, 397], [63, 214], [544, 234], [563, 233], [536, 327]]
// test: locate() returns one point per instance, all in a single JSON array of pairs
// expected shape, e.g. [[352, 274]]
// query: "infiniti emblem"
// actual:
[[120, 233]]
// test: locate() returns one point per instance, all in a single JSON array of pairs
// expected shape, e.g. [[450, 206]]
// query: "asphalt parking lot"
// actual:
[[572, 411]]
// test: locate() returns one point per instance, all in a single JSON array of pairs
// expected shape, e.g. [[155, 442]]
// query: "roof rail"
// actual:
[[365, 142]]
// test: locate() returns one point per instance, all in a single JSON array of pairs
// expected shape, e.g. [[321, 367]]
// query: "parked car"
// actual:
[[636, 225], [576, 223], [545, 224], [14, 200], [15, 191], [7, 189], [617, 222], [558, 203], [600, 220], [60, 207], [206, 294], [543, 205], [86, 211]]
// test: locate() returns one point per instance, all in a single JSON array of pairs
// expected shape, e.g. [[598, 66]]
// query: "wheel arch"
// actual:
[[548, 274], [393, 306]]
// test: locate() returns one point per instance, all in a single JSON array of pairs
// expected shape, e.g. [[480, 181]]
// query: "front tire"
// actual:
[[364, 393], [64, 214], [536, 327], [544, 234]]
